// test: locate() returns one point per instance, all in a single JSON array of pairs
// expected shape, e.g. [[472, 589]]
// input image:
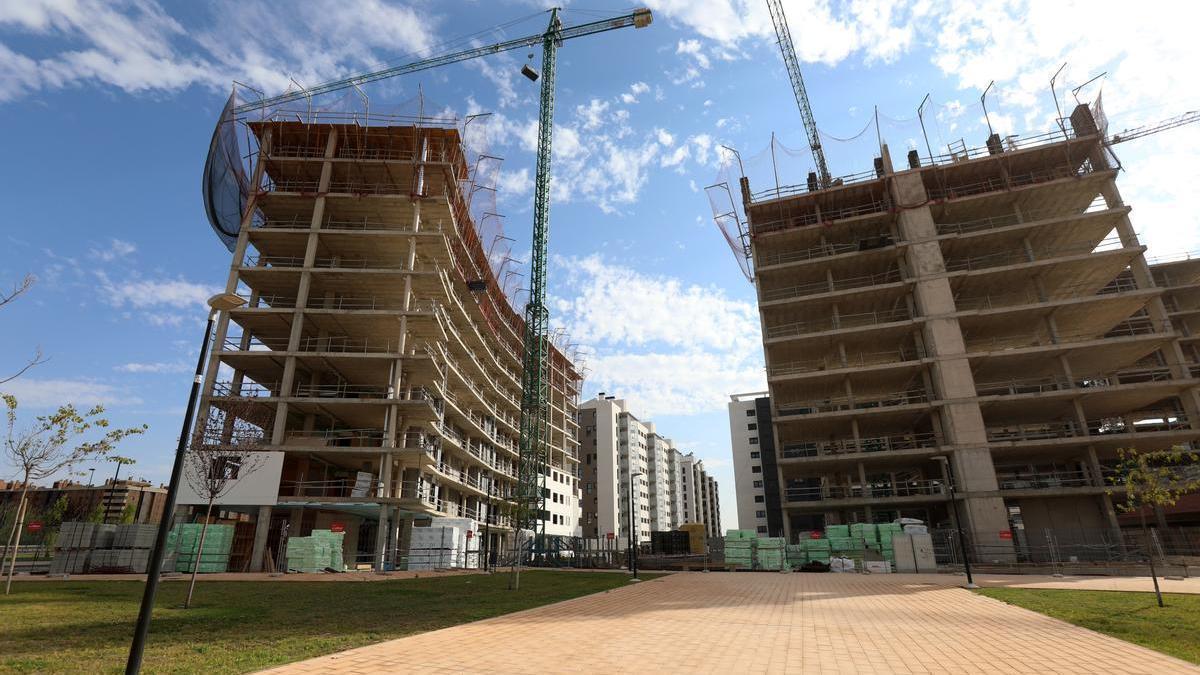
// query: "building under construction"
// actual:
[[992, 306], [378, 350]]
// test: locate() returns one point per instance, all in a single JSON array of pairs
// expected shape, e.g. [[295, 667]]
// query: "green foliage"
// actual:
[[128, 514], [96, 515], [1155, 478], [55, 442]]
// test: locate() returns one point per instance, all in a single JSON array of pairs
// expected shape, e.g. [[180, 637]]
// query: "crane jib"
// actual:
[[638, 19]]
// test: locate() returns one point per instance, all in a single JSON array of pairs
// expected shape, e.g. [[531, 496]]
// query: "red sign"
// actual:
[[34, 526], [1006, 534], [337, 527], [611, 536], [815, 534], [470, 534]]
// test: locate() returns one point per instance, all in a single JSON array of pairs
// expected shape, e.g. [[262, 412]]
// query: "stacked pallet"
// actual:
[[335, 542], [886, 532], [770, 555], [434, 548], [134, 536], [185, 540], [72, 548], [308, 554], [816, 549], [739, 548]]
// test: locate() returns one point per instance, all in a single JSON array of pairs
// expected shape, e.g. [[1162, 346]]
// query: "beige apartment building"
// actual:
[[380, 353], [992, 306]]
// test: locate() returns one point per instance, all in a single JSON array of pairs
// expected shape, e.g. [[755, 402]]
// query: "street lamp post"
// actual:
[[962, 538], [633, 542], [217, 303]]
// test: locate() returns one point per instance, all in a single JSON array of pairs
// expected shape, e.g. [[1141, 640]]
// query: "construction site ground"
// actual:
[[751, 623]]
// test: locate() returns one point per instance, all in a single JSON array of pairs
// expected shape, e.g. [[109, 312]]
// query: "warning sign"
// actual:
[[337, 526], [611, 536], [34, 526], [1006, 534]]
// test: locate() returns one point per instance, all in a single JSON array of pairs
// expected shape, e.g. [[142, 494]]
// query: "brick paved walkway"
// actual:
[[753, 623]]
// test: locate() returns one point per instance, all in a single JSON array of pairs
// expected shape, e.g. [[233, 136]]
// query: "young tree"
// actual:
[[5, 298], [50, 445], [1153, 479], [226, 448]]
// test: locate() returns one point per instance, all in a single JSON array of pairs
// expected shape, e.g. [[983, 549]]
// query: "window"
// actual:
[[753, 454], [750, 412], [754, 440], [756, 469], [760, 514], [762, 529], [752, 427], [758, 483]]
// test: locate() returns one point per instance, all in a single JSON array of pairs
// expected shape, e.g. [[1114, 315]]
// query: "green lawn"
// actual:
[[1136, 617], [239, 626]]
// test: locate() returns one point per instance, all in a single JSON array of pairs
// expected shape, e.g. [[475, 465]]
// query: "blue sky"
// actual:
[[108, 108]]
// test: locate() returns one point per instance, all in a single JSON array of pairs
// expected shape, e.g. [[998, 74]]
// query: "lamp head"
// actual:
[[225, 301]]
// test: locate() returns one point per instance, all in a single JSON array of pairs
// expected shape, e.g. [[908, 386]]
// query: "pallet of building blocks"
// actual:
[[135, 535], [741, 534], [307, 554], [103, 535], [218, 540], [336, 542], [75, 535], [69, 561], [434, 548], [770, 559], [837, 531], [867, 532]]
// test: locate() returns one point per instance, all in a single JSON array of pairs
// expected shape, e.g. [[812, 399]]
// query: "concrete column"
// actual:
[[961, 419], [262, 529]]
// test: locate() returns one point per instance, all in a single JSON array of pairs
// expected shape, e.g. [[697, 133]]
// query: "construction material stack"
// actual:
[[185, 539], [739, 548], [435, 547], [73, 548], [130, 550], [308, 554], [816, 550], [770, 555], [333, 543], [886, 532]]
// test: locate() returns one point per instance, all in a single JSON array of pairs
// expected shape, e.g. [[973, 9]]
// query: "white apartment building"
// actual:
[[672, 489], [754, 474]]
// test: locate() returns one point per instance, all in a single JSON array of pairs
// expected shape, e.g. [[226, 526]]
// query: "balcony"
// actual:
[[1017, 180], [891, 443], [1043, 480], [901, 489], [1019, 256], [842, 322], [892, 276], [260, 262], [330, 345], [895, 357], [826, 250], [1146, 423], [837, 404]]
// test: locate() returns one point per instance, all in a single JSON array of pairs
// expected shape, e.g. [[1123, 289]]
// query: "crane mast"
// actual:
[[784, 37]]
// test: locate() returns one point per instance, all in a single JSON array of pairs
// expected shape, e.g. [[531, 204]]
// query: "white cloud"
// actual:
[[636, 89], [664, 137], [821, 31], [51, 393], [116, 248], [136, 47], [649, 350], [593, 113], [151, 293], [155, 367]]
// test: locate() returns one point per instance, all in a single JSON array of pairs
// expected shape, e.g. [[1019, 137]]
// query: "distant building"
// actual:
[[82, 500], [755, 479], [672, 489]]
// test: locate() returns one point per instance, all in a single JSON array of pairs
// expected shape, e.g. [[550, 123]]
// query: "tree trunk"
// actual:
[[199, 555], [1150, 556], [15, 538]]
